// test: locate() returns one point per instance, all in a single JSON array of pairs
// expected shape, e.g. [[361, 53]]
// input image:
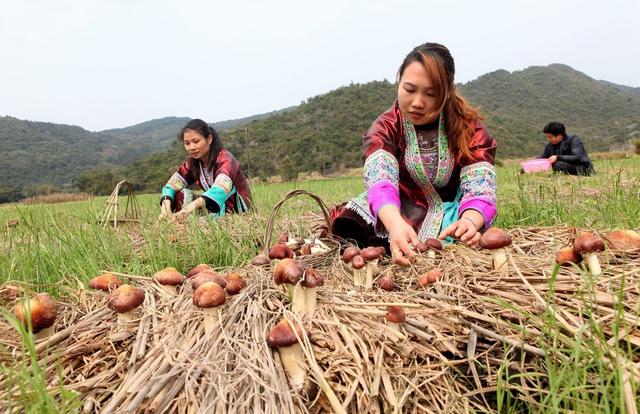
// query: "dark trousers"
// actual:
[[573, 169]]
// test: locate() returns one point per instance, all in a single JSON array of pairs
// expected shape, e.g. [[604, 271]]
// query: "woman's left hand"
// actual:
[[465, 229]]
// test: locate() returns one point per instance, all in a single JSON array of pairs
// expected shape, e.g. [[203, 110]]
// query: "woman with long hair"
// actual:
[[213, 169], [428, 168]]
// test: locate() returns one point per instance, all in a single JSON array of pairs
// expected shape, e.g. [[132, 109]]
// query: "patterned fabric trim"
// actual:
[[432, 222], [206, 178], [360, 205], [177, 182], [224, 181], [478, 181], [379, 166]]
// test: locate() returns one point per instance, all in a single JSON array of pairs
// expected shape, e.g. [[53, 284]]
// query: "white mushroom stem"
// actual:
[[169, 290], [125, 317], [394, 326], [298, 300], [594, 264], [211, 316], [292, 358], [431, 254], [499, 258], [310, 299], [359, 276], [44, 333], [372, 269]]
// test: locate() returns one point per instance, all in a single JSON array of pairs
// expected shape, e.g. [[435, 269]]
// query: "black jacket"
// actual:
[[571, 150]]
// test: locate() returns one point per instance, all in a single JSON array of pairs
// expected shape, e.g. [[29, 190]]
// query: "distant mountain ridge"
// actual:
[[324, 133]]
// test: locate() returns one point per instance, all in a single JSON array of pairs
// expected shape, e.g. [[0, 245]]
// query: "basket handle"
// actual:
[[291, 194]]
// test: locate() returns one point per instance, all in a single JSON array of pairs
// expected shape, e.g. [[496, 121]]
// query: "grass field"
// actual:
[[51, 244]]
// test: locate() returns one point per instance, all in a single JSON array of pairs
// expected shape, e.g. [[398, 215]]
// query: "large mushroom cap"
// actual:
[[208, 275], [386, 283], [395, 314], [430, 277], [312, 278], [623, 240], [169, 276], [349, 253], [588, 243], [261, 260], [421, 247], [280, 251], [382, 250], [434, 244], [282, 335], [370, 253], [358, 262], [495, 238], [197, 269], [235, 283], [288, 271], [125, 298], [106, 282], [41, 310], [209, 295], [567, 255]]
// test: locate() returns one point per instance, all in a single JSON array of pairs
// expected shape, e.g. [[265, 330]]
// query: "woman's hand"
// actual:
[[466, 228], [402, 236], [165, 209]]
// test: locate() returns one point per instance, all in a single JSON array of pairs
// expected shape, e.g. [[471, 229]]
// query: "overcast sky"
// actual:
[[111, 64]]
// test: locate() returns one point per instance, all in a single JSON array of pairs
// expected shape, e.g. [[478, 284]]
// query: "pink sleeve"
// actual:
[[486, 208], [382, 193]]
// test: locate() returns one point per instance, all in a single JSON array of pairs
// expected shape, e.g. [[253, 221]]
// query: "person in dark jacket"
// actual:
[[566, 151]]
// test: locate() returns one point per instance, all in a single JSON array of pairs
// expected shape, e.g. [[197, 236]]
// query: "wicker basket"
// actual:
[[313, 260]]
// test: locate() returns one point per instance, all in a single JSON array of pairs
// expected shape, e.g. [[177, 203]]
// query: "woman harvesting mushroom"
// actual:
[[212, 168], [428, 164]]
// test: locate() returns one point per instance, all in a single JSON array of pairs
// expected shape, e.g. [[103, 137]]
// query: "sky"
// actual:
[[111, 64]]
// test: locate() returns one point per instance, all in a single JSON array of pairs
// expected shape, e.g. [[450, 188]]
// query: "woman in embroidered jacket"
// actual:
[[212, 168], [428, 164]]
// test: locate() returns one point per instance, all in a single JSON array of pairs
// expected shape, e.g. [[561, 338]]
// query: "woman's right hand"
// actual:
[[165, 209], [402, 236]]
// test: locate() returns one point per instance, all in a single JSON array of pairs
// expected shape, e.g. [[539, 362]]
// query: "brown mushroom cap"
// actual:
[[430, 277], [434, 244], [358, 262], [567, 255], [370, 253], [261, 260], [208, 275], [282, 335], [312, 278], [495, 238], [396, 314], [382, 250], [169, 276], [125, 298], [588, 243], [288, 271], [106, 282], [305, 250], [280, 251], [386, 283], [209, 295], [235, 283], [197, 269], [41, 310], [349, 253], [623, 240], [283, 237]]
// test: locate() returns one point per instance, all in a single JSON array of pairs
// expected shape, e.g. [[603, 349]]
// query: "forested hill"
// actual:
[[324, 133]]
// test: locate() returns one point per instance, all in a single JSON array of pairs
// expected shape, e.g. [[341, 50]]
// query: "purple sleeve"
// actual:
[[382, 193], [486, 208]]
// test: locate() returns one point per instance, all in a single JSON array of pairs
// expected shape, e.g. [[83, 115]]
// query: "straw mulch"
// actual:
[[461, 334]]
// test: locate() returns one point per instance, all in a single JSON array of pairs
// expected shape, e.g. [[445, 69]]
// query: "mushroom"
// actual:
[[235, 283], [261, 260], [430, 277], [568, 256], [347, 257], [386, 283], [169, 279], [305, 250], [197, 269], [208, 297], [623, 241], [283, 338], [105, 281], [433, 245], [371, 255], [289, 272], [124, 300], [39, 312], [207, 276], [280, 251], [357, 264], [395, 317], [589, 244], [312, 279], [496, 240]]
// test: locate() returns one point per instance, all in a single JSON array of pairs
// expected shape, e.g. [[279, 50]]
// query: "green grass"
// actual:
[[57, 242]]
